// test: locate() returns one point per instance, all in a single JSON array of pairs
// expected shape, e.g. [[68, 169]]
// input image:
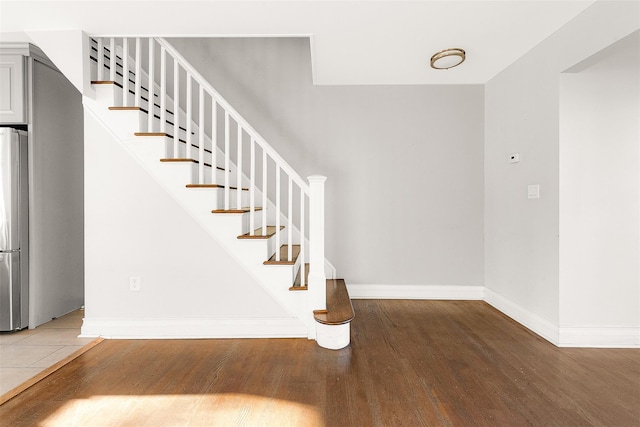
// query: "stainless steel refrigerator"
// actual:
[[14, 230]]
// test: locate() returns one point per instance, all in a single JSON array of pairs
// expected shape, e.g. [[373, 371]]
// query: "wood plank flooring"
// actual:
[[411, 363]]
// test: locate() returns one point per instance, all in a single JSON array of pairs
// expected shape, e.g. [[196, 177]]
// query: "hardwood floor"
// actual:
[[411, 363]]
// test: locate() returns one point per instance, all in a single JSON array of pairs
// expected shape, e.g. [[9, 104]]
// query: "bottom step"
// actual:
[[339, 309], [333, 328]]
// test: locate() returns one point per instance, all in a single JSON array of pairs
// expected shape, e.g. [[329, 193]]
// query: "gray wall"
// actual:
[[522, 115], [57, 204], [404, 163]]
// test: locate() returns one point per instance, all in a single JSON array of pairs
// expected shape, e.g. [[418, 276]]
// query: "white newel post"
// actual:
[[317, 279]]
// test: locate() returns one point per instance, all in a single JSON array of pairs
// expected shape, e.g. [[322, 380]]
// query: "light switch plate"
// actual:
[[134, 284], [533, 191]]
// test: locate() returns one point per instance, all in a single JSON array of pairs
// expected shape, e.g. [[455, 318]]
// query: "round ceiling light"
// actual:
[[447, 58]]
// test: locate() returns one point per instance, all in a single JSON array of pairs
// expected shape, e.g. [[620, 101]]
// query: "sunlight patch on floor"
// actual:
[[179, 410]]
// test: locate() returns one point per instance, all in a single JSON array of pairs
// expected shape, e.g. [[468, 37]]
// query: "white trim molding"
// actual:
[[526, 318], [600, 337], [181, 328], [435, 292], [26, 49]]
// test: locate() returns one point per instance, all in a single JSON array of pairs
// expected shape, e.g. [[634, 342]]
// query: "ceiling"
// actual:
[[352, 42]]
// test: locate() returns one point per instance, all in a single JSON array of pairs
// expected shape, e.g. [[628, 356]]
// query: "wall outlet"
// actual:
[[533, 191], [134, 283]]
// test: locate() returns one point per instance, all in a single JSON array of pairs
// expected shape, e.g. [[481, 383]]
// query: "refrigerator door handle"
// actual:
[[9, 189]]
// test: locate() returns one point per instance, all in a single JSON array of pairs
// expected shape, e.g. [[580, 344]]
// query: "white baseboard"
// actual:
[[435, 292], [532, 321], [602, 337], [181, 328], [185, 328]]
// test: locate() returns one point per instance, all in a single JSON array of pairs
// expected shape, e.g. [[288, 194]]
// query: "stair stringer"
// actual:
[[223, 228]]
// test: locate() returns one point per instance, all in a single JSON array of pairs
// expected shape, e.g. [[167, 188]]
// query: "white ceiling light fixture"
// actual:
[[448, 58]]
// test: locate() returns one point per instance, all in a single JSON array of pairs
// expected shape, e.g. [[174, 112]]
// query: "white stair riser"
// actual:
[[177, 176], [105, 95], [333, 337], [112, 97], [125, 123], [159, 147], [147, 147]]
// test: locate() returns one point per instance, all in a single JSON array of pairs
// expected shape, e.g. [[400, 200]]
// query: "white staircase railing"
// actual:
[[205, 128]]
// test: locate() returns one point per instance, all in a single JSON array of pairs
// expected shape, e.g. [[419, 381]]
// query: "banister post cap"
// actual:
[[317, 178]]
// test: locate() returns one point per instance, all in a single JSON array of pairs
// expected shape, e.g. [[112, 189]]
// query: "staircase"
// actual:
[[224, 174]]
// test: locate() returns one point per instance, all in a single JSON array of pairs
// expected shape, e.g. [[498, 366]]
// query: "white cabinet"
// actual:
[[13, 90]]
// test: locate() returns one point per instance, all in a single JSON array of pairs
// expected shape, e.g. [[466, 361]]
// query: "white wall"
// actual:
[[56, 232], [133, 228], [599, 187], [521, 115], [404, 163]]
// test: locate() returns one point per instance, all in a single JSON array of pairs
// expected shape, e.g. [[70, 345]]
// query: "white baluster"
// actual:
[[317, 278], [277, 212], [125, 72], [290, 219], [151, 83], [214, 141], [239, 171], [264, 192], [176, 109], [138, 75], [201, 134], [226, 160], [189, 118], [112, 59], [303, 245], [100, 58], [233, 113], [252, 193], [163, 90]]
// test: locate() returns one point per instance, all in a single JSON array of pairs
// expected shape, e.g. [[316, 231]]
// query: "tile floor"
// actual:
[[26, 353]]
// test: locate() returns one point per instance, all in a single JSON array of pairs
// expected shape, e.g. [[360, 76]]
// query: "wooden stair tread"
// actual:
[[297, 283], [125, 108], [204, 186], [234, 211], [257, 233], [147, 133], [339, 309], [145, 111], [284, 252], [105, 82], [179, 160], [213, 186]]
